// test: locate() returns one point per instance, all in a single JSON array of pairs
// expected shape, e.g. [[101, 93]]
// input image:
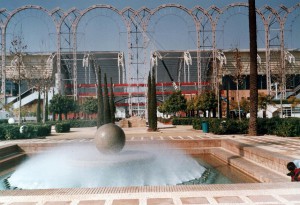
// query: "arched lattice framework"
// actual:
[[137, 42], [138, 25], [192, 23], [5, 23], [273, 24], [291, 35], [234, 13], [206, 41], [3, 16], [65, 42], [274, 44], [75, 35]]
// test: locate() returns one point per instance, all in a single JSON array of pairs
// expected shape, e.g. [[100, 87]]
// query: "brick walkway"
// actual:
[[257, 193]]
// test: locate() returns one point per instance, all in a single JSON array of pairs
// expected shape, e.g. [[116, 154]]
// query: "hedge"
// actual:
[[285, 127], [82, 123], [11, 132], [62, 127], [182, 121], [3, 121]]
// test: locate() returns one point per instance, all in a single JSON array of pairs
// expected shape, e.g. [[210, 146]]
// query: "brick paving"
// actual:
[[253, 193]]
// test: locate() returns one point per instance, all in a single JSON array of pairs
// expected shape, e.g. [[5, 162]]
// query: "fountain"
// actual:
[[105, 165]]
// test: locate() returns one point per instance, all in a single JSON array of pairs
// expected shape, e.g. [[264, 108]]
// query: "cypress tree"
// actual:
[[107, 113], [153, 101], [149, 102], [112, 102], [100, 117]]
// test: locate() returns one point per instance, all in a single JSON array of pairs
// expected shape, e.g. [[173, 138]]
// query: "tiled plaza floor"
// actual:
[[254, 193]]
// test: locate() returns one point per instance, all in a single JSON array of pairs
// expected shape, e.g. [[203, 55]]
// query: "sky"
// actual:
[[66, 4], [169, 32]]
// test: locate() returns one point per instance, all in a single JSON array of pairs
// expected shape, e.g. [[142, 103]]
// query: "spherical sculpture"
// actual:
[[11, 121], [110, 138]]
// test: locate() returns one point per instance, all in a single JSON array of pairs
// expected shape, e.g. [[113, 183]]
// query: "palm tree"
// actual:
[[253, 69]]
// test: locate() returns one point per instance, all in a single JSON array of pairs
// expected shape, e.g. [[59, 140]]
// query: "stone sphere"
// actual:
[[23, 129], [11, 121], [110, 138]]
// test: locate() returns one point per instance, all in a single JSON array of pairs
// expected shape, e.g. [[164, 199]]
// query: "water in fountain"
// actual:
[[83, 166]]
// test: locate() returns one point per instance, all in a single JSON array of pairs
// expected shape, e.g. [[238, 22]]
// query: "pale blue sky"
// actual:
[[170, 33], [65, 4]]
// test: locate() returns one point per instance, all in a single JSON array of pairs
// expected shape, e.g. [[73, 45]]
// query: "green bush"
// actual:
[[82, 123], [228, 126], [3, 121], [288, 127], [42, 130], [197, 123], [2, 133], [11, 132], [28, 133], [182, 121], [285, 127], [267, 125], [62, 127], [164, 120]]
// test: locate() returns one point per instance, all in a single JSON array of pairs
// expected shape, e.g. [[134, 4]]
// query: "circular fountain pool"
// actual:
[[83, 166]]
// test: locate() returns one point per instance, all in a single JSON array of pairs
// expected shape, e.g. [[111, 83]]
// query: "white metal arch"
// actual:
[[3, 39], [74, 31]]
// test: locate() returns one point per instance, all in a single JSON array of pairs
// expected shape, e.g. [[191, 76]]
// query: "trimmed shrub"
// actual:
[[182, 121], [62, 127], [82, 123], [164, 120], [2, 133], [288, 127], [11, 132], [267, 125], [42, 130], [3, 121], [228, 126], [197, 123]]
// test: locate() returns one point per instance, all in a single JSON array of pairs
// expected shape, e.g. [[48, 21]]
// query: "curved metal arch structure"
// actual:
[[74, 33], [137, 22], [274, 17], [4, 25]]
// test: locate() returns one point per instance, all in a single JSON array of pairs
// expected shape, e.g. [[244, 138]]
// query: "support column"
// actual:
[[3, 70], [268, 67], [58, 60], [283, 64]]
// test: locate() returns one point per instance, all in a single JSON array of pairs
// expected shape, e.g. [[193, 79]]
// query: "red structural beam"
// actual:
[[138, 84], [141, 94]]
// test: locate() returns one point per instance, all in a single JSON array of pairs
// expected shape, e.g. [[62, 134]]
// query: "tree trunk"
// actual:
[[253, 69], [238, 100], [149, 101], [153, 101]]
